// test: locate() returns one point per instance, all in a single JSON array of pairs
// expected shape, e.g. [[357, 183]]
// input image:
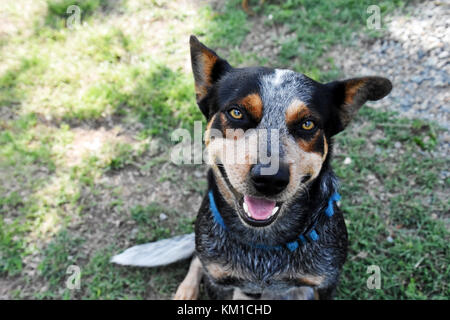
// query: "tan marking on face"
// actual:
[[301, 163], [224, 122], [308, 146], [208, 129], [296, 111], [237, 154], [325, 148], [223, 188], [253, 104], [212, 160]]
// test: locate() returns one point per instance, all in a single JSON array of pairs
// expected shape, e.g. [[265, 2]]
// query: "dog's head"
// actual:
[[269, 130]]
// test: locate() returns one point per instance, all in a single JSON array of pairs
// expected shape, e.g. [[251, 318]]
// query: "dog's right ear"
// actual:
[[350, 95], [208, 68]]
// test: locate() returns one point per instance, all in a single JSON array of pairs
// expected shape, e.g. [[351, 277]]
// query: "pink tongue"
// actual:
[[259, 209]]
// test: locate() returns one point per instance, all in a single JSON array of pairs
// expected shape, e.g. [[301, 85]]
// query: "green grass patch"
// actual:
[[226, 28], [318, 25], [61, 252], [11, 246], [152, 228], [162, 100], [103, 280], [14, 81], [110, 47], [58, 13], [22, 145], [395, 216]]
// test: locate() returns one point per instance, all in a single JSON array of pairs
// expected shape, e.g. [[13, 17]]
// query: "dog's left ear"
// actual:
[[350, 95], [208, 68]]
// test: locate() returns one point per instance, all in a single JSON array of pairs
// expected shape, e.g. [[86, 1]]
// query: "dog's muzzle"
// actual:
[[269, 184]]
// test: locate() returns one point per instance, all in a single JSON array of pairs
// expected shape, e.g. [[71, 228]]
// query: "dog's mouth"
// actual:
[[254, 211], [259, 212]]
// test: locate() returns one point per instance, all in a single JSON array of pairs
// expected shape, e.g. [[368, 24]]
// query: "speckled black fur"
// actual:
[[230, 247], [243, 264]]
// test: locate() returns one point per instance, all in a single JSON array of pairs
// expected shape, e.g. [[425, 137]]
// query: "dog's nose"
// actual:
[[269, 184]]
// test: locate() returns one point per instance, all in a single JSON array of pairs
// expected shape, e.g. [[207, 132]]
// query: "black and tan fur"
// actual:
[[281, 100]]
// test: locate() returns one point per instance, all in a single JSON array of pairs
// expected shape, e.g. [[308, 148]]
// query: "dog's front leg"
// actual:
[[189, 288]]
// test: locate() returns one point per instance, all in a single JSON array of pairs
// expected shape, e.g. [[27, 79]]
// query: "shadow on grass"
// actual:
[[10, 81], [162, 100]]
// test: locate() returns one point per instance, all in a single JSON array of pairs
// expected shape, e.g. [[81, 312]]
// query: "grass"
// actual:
[[313, 28], [85, 118], [317, 26], [58, 10], [152, 228], [229, 27], [396, 220], [11, 247]]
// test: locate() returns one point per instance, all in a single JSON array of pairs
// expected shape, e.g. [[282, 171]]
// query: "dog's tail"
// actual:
[[159, 253]]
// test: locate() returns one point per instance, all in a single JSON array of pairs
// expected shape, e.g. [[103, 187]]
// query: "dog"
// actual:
[[265, 230]]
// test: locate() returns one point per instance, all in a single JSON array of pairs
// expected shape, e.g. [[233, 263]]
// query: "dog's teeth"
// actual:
[[246, 208], [274, 210]]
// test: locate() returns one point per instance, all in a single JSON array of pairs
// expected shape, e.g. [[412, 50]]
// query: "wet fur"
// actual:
[[257, 268]]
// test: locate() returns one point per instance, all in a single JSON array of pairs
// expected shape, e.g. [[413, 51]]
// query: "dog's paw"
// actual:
[[186, 292]]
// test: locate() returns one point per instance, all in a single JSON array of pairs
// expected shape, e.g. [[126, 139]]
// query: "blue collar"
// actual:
[[310, 234]]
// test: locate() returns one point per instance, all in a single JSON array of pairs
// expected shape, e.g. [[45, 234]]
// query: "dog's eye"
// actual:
[[308, 125], [236, 114]]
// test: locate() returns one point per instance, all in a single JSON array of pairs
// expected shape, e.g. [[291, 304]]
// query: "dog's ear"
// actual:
[[207, 67], [350, 95]]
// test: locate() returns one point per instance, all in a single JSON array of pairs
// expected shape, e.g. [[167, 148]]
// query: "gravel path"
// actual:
[[415, 55]]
